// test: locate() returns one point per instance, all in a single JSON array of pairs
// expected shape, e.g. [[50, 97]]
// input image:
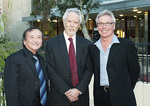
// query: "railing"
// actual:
[[144, 60], [2, 95]]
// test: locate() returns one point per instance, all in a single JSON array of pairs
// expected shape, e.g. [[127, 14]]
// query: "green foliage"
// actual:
[[6, 48], [10, 3], [45, 8], [3, 18], [42, 8], [83, 5]]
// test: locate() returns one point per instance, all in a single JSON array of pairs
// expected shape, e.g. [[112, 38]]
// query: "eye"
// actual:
[[100, 23], [108, 23], [39, 37], [31, 36]]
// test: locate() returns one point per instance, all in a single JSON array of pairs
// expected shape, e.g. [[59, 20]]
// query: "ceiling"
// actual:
[[126, 12]]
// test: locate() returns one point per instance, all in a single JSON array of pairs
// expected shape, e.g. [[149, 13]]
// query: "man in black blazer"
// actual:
[[115, 65], [62, 90], [21, 80]]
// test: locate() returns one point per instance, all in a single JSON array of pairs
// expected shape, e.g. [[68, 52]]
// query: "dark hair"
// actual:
[[29, 30]]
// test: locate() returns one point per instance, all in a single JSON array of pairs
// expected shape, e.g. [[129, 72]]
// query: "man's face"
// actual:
[[71, 23], [105, 26], [33, 40]]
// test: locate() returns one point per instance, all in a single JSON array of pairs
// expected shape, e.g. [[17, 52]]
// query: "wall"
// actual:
[[1, 23], [15, 27]]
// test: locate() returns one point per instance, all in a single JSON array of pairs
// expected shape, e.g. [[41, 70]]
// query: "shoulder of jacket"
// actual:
[[125, 41]]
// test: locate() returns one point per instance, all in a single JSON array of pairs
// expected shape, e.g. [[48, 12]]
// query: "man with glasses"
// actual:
[[68, 64], [115, 65]]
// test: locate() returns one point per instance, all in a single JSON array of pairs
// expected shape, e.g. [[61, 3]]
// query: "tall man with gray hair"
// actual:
[[115, 65], [68, 64]]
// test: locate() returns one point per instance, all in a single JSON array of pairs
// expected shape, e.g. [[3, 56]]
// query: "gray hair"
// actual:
[[73, 10], [105, 12]]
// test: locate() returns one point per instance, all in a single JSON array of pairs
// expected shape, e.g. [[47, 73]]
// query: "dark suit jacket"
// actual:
[[59, 72], [21, 79], [123, 71]]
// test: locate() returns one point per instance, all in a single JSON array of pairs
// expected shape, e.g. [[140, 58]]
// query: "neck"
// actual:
[[105, 42]]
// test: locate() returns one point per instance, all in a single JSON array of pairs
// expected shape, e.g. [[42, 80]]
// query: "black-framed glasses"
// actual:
[[107, 24]]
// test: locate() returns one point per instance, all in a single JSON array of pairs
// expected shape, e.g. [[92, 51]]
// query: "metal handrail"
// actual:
[[144, 59]]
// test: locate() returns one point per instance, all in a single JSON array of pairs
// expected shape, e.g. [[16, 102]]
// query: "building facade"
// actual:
[[132, 17], [16, 9]]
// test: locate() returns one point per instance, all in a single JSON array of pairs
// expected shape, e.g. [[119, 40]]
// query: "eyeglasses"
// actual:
[[107, 24]]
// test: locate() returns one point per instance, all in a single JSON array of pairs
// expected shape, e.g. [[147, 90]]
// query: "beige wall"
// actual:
[[1, 23], [15, 27]]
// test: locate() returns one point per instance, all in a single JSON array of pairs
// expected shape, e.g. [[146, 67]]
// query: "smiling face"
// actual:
[[71, 23], [106, 30], [33, 40]]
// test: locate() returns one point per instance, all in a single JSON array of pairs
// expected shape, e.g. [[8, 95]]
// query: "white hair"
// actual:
[[73, 10], [105, 12]]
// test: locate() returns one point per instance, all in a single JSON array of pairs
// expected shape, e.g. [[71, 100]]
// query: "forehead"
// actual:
[[72, 16], [34, 32], [105, 18]]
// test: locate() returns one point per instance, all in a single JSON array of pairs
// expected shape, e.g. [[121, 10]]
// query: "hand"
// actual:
[[72, 94]]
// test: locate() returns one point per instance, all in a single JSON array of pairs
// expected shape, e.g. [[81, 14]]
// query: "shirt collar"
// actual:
[[114, 40], [66, 36]]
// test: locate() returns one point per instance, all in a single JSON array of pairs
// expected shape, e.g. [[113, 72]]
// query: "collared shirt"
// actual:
[[68, 42], [104, 80]]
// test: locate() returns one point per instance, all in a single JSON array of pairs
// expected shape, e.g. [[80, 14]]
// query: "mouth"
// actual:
[[71, 29], [35, 43], [104, 30]]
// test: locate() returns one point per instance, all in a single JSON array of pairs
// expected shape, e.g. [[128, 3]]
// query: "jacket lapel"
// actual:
[[113, 52], [97, 57], [79, 49], [30, 62], [63, 50]]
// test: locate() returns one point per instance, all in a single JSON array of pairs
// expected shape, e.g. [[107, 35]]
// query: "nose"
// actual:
[[104, 25], [35, 39], [72, 24]]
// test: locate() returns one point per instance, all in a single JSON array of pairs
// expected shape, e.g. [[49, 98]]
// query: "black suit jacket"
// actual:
[[59, 72], [123, 71], [21, 81]]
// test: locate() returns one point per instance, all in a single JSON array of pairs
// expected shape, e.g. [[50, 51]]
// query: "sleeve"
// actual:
[[133, 64], [86, 77], [86, 69], [11, 82]]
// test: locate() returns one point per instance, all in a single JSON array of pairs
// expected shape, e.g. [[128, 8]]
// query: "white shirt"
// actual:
[[68, 42], [104, 80]]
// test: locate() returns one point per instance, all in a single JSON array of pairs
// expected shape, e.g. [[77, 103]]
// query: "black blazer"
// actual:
[[123, 71], [59, 72], [21, 81]]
